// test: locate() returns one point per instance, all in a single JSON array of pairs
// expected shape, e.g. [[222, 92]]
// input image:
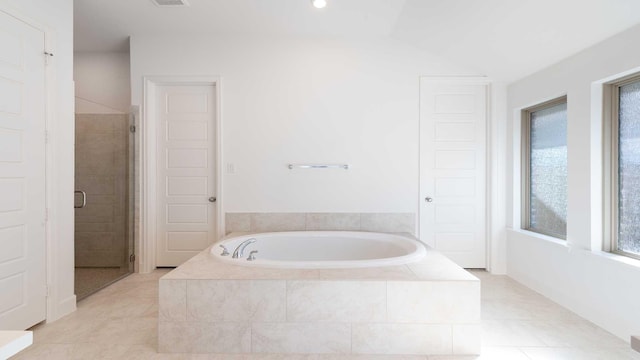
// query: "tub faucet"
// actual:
[[252, 255], [239, 251]]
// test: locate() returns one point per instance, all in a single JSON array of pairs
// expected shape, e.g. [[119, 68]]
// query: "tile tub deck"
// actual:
[[427, 307]]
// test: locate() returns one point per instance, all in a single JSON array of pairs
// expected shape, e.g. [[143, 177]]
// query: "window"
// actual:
[[544, 168], [624, 183]]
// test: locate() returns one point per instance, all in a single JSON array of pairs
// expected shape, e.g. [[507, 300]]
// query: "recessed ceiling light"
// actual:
[[319, 4]]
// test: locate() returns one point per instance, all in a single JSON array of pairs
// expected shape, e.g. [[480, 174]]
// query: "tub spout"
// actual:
[[252, 255], [239, 251]]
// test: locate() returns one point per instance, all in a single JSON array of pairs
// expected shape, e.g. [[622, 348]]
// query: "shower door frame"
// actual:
[[146, 235]]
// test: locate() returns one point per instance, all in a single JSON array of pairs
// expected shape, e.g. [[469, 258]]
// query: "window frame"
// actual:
[[611, 184], [525, 167]]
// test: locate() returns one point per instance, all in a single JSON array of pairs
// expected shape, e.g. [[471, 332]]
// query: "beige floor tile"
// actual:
[[522, 308], [304, 357], [116, 306], [563, 353], [148, 352], [578, 334], [125, 331], [497, 333], [45, 352], [99, 351], [222, 357], [71, 329], [488, 353]]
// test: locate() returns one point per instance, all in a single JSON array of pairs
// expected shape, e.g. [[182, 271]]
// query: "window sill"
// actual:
[[598, 254], [625, 260], [547, 238]]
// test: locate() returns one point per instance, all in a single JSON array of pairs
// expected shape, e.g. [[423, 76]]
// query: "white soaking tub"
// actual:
[[210, 304], [321, 249]]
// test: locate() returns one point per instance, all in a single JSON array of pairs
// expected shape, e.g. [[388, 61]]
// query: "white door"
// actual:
[[186, 206], [453, 117], [22, 171]]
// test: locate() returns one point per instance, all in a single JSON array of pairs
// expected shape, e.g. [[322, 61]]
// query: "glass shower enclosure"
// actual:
[[104, 214]]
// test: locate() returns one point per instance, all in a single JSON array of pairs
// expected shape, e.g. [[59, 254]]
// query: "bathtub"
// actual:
[[322, 249]]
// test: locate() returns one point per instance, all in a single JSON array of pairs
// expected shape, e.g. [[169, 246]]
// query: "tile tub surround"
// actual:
[[427, 307], [270, 222]]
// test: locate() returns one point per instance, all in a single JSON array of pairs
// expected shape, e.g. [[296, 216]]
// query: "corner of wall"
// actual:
[[498, 168]]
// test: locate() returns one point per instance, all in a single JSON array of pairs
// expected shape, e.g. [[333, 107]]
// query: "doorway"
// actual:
[[104, 178]]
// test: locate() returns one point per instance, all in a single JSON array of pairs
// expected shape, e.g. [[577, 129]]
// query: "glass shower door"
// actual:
[[104, 185]]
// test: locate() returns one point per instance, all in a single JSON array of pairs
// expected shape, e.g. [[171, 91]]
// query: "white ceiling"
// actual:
[[504, 39]]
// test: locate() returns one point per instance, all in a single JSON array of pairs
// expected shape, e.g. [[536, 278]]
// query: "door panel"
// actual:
[[452, 169], [186, 171], [102, 157], [22, 171]]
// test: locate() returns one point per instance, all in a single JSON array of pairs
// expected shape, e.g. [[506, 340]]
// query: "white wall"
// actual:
[[497, 152], [596, 285], [308, 101], [57, 18], [102, 83]]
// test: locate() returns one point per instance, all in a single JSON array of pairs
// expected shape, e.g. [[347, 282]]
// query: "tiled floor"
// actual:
[[90, 279], [120, 322]]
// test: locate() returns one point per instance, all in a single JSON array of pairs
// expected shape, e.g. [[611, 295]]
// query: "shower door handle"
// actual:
[[84, 199]]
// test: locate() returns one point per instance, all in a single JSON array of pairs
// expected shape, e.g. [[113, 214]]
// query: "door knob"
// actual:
[[428, 199], [212, 199]]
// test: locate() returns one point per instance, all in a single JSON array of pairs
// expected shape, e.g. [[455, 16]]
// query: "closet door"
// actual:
[[453, 124], [186, 119], [22, 175]]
